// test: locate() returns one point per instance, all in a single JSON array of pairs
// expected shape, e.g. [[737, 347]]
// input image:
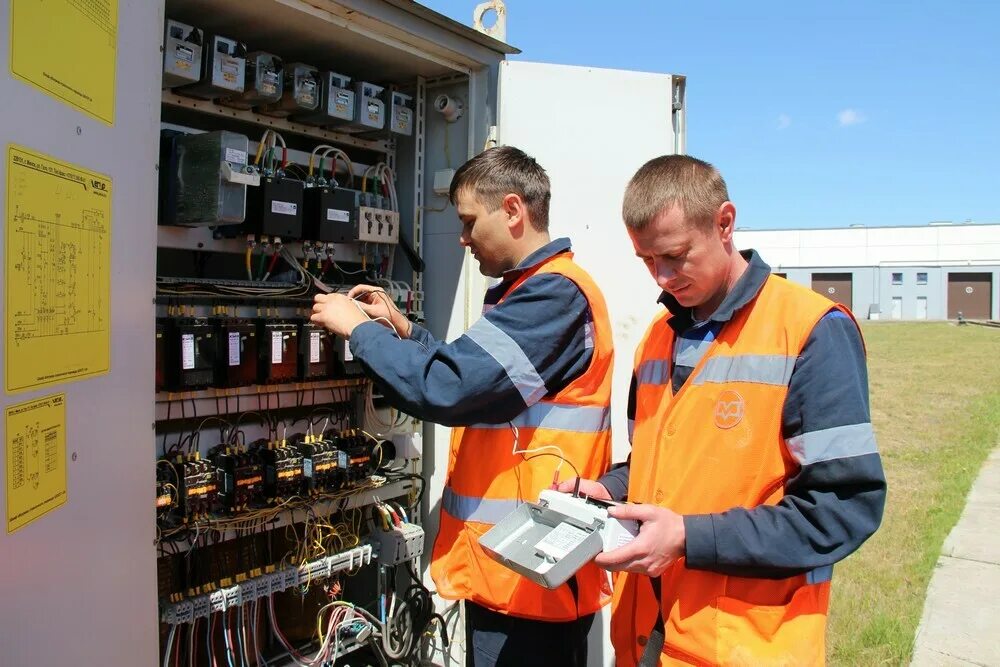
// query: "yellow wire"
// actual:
[[260, 147]]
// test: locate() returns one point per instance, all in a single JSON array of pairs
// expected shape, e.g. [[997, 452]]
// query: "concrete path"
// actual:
[[961, 621]]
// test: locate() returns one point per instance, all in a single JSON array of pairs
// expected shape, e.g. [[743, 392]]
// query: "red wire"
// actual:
[[211, 639], [284, 157], [274, 262]]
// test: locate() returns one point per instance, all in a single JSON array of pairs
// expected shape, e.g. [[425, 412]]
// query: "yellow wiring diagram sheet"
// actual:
[[36, 459], [67, 49], [58, 271]]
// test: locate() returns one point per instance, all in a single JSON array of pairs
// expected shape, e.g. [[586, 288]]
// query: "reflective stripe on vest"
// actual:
[[653, 371], [773, 369], [471, 508], [574, 418]]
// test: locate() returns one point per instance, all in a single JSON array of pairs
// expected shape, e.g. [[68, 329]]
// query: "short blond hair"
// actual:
[[674, 180]]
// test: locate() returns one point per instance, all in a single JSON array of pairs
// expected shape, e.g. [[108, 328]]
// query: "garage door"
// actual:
[[834, 286], [970, 294]]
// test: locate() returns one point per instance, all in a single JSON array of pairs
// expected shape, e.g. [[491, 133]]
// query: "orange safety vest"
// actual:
[[716, 445], [486, 481]]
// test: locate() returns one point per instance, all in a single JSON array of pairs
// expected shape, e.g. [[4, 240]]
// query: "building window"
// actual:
[[921, 278], [897, 278]]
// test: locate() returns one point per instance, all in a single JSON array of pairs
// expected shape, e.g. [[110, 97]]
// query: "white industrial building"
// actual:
[[927, 272]]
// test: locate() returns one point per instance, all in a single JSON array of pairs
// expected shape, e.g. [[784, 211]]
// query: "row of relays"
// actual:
[[233, 479]]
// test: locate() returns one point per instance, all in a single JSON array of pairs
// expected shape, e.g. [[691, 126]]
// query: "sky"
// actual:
[[877, 112]]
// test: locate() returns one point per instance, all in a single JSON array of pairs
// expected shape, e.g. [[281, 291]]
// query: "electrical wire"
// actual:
[[170, 645]]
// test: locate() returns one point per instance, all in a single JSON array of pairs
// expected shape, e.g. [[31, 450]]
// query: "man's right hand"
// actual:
[[377, 304], [588, 487]]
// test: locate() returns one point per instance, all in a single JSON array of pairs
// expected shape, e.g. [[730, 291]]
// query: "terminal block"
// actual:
[[399, 544]]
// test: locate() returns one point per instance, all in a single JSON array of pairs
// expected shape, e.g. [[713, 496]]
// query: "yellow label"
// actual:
[[58, 267], [67, 49], [36, 459]]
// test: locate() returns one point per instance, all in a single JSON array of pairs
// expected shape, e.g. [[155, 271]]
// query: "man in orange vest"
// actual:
[[754, 466], [528, 386]]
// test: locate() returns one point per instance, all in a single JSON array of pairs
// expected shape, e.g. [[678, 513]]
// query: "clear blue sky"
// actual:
[[877, 112]]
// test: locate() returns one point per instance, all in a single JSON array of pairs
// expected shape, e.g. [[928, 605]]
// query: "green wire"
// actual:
[[260, 266]]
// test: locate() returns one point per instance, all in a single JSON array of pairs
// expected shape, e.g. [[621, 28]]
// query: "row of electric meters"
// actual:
[[215, 67]]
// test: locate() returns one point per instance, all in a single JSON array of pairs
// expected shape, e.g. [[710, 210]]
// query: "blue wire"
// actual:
[[225, 636]]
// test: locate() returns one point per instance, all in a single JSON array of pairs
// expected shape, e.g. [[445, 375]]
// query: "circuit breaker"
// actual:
[[264, 82], [316, 358], [279, 351], [349, 366], [223, 68], [336, 101], [181, 54], [237, 355], [275, 208], [205, 179], [377, 225], [191, 354], [300, 94]]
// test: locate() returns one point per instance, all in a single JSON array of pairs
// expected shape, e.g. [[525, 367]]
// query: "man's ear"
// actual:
[[515, 209], [725, 221]]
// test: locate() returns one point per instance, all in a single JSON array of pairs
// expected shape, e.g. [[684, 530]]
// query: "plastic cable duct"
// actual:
[[264, 586]]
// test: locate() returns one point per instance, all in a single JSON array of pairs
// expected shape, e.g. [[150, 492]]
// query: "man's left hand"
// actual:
[[660, 541], [337, 313]]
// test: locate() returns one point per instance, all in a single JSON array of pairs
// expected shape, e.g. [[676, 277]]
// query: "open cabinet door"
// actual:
[[591, 129]]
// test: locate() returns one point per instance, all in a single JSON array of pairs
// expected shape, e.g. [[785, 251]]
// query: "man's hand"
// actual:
[[337, 313], [377, 304], [660, 541], [588, 487]]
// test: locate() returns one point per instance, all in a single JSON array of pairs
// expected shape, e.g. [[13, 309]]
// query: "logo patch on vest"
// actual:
[[729, 409]]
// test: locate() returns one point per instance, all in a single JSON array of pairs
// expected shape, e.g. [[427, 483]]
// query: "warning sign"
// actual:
[[36, 459], [67, 49]]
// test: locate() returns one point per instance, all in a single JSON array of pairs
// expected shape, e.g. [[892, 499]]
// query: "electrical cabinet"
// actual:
[[264, 432]]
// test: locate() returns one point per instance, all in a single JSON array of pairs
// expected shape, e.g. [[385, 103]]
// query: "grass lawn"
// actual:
[[935, 397]]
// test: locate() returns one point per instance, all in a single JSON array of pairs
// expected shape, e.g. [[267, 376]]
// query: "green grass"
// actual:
[[935, 396]]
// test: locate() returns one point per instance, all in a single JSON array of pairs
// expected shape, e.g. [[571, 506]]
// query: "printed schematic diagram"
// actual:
[[58, 241], [36, 459], [57, 262]]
